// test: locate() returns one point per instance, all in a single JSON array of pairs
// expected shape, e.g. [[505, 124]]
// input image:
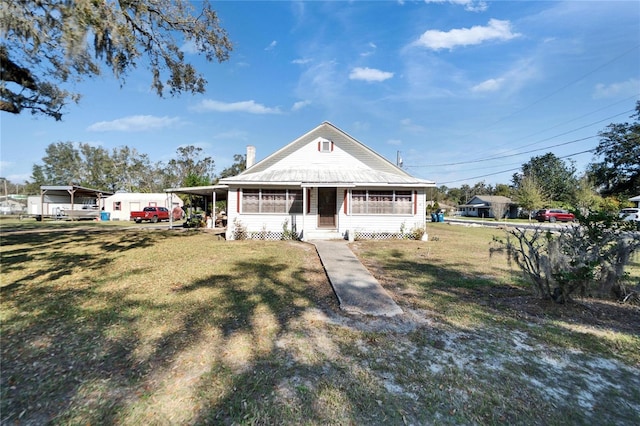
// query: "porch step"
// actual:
[[322, 234]]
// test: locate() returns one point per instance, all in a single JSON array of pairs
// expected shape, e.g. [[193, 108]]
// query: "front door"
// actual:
[[326, 207]]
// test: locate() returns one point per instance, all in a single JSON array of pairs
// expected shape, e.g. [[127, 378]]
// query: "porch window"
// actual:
[[402, 203], [294, 201], [358, 202], [251, 200], [271, 201], [381, 202]]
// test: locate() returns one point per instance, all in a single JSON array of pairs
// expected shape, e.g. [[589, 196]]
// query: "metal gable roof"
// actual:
[[371, 168], [77, 190], [337, 176]]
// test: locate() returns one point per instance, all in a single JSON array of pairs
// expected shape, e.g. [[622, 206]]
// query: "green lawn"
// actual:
[[102, 324]]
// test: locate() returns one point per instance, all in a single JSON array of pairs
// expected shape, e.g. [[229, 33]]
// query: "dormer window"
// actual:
[[325, 145]]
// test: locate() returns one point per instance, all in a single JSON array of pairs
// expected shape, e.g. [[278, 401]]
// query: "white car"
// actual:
[[632, 213]]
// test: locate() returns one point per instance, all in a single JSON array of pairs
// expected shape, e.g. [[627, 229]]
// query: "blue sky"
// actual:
[[466, 90]]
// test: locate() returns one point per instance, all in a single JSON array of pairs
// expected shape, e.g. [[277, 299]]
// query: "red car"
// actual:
[[151, 214], [554, 215]]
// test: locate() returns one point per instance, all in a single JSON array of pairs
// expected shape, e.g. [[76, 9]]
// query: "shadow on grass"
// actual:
[[51, 248], [71, 352], [507, 298]]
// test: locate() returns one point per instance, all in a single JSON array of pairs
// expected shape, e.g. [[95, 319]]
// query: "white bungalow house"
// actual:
[[486, 206], [325, 184]]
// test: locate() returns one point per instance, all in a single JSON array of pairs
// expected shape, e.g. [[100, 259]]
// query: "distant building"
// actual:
[[13, 204], [485, 206], [121, 204]]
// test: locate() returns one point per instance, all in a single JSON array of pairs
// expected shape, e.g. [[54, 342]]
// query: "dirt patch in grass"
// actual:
[[589, 312]]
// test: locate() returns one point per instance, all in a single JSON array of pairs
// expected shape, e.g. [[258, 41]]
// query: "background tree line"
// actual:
[[125, 169]]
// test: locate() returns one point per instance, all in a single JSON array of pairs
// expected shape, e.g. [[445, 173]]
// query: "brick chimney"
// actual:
[[251, 155]]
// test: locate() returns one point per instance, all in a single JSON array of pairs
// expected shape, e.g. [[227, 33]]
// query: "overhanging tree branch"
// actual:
[[45, 44]]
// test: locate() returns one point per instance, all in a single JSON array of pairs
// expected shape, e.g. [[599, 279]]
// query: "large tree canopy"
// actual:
[[529, 194], [191, 168], [122, 169], [239, 166], [618, 172], [555, 178], [45, 44]]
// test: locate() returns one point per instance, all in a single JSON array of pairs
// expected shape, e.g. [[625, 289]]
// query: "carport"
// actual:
[[211, 194], [64, 199]]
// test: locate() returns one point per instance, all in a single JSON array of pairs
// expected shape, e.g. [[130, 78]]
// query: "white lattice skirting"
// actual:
[[359, 235], [366, 235]]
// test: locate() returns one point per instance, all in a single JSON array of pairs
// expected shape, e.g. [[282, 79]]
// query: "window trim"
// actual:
[[321, 146], [262, 193], [409, 208]]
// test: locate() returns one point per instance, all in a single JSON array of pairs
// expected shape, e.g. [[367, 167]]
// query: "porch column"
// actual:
[[170, 207], [72, 193], [305, 200]]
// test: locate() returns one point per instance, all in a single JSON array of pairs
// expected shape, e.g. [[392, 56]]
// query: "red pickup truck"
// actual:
[[151, 214]]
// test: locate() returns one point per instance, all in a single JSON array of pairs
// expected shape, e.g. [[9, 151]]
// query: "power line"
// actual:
[[577, 118], [505, 156], [499, 157], [563, 87], [511, 170]]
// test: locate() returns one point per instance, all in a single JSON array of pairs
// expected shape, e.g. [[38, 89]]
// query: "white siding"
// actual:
[[137, 201], [307, 157], [308, 222], [55, 204]]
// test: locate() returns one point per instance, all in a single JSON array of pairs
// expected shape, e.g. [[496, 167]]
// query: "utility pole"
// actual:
[[398, 159]]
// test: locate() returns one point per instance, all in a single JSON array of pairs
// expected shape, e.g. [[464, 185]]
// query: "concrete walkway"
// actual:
[[357, 290]]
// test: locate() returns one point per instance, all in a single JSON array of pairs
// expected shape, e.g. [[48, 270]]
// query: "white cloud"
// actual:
[[301, 61], [469, 5], [491, 85], [232, 134], [17, 178], [134, 123], [369, 74], [271, 45], [614, 89], [395, 142], [410, 126], [189, 47], [372, 49], [495, 30], [299, 105], [511, 81], [244, 106]]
